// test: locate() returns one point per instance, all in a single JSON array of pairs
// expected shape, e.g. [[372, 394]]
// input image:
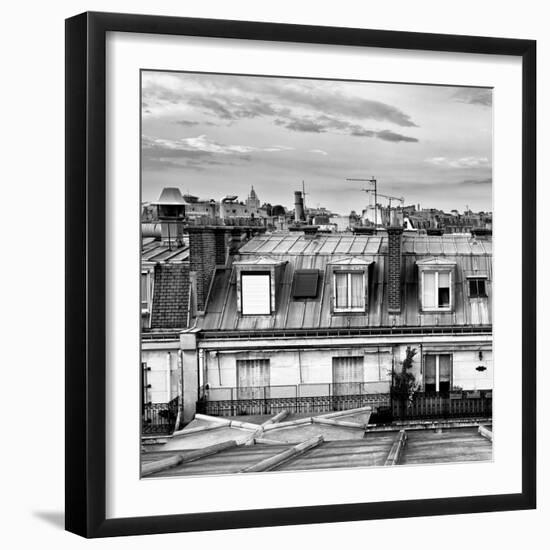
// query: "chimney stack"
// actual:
[[395, 240], [298, 207]]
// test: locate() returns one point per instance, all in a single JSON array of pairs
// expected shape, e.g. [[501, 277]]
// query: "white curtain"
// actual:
[[428, 297], [341, 290], [357, 291]]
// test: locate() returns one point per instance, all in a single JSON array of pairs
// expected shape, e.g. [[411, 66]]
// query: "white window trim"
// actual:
[[149, 297], [451, 293], [255, 274], [349, 273]]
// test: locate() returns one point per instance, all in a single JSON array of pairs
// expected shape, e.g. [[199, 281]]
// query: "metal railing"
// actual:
[[159, 418], [316, 398]]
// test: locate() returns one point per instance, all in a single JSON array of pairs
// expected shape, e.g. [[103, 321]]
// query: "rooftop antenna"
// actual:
[[373, 182]]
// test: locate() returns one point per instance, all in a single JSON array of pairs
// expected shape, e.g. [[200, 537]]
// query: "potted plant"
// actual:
[[456, 392]]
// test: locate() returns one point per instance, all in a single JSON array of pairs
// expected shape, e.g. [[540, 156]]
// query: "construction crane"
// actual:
[[374, 190], [389, 197]]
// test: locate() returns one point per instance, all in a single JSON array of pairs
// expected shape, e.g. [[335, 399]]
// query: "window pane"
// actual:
[[443, 297], [481, 287], [428, 299], [341, 289], [477, 288], [429, 369], [444, 368], [444, 373], [357, 290], [429, 373], [144, 291], [256, 298], [444, 279]]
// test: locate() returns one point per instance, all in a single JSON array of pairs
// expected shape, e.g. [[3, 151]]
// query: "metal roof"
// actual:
[[471, 256], [213, 446], [154, 251]]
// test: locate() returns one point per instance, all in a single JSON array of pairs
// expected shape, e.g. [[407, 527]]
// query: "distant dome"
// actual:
[[253, 193], [278, 210]]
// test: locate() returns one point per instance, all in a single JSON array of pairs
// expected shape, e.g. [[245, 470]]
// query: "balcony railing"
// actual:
[[317, 398], [159, 418]]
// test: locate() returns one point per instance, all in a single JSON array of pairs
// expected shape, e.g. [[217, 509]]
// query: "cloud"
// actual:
[[474, 96], [187, 123], [318, 152], [464, 162], [483, 181], [324, 123], [232, 98], [196, 151]]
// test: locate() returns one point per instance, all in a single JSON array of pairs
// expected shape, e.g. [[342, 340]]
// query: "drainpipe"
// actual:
[[201, 369], [168, 376], [179, 418]]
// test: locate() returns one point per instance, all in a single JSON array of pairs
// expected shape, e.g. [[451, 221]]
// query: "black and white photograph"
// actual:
[[316, 274]]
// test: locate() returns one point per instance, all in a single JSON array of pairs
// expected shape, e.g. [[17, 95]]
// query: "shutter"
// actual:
[[253, 378], [428, 288], [256, 294], [347, 375]]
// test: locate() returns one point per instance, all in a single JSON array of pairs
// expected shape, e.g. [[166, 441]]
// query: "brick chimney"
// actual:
[[395, 239]]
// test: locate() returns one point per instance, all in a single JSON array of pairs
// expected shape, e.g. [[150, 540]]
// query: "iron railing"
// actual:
[[317, 398], [159, 418]]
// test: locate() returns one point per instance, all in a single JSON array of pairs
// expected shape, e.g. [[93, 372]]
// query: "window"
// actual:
[[349, 291], [256, 293], [305, 283], [437, 373], [347, 375], [477, 288], [436, 290], [253, 378], [145, 292]]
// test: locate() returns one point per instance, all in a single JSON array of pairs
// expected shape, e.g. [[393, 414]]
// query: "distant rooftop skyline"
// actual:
[[213, 135]]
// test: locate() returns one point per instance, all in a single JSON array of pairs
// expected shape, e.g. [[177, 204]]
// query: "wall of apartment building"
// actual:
[[311, 367], [163, 375]]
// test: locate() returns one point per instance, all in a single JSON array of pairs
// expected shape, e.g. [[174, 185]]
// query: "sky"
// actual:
[[212, 135]]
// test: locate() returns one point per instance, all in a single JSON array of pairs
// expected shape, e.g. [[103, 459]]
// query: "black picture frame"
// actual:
[[86, 279]]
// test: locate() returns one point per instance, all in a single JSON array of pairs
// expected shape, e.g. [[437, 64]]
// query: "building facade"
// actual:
[[274, 318]]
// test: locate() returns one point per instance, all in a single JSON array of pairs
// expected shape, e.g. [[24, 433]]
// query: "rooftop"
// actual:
[[212, 445]]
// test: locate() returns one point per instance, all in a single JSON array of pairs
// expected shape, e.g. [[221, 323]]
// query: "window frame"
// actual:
[[349, 272], [255, 273], [437, 373], [149, 290], [477, 278], [437, 272]]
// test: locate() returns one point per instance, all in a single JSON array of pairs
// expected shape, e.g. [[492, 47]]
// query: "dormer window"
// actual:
[[349, 289], [258, 281], [477, 287], [436, 290], [146, 293], [349, 285], [436, 285], [256, 293]]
